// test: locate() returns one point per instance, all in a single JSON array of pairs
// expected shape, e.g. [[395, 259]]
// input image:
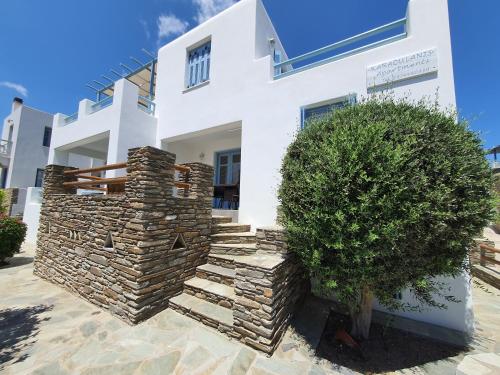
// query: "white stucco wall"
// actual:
[[32, 213]]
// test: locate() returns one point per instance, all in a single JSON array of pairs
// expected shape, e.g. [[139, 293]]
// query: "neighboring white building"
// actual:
[[24, 149], [227, 94]]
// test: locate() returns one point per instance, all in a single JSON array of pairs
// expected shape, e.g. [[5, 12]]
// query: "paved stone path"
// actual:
[[46, 330]]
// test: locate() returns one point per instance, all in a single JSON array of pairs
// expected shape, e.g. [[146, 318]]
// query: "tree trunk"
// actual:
[[361, 315]]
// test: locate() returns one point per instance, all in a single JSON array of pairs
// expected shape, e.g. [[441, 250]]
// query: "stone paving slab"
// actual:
[[46, 330]]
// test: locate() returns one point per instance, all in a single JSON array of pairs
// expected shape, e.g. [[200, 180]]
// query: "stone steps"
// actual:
[[233, 248], [216, 293], [222, 275], [205, 312], [242, 237], [221, 219], [230, 228]]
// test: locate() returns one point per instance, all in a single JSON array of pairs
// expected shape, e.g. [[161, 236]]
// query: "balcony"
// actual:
[[105, 129], [377, 37], [5, 149]]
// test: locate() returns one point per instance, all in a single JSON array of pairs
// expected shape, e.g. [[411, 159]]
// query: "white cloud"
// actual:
[[15, 86], [209, 8], [145, 26], [170, 25]]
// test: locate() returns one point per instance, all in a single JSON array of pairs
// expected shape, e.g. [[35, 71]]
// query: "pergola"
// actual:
[[143, 75]]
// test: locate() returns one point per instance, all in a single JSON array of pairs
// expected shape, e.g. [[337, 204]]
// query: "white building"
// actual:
[[227, 94], [24, 149]]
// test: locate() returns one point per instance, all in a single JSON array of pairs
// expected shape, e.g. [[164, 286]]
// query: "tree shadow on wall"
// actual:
[[18, 330]]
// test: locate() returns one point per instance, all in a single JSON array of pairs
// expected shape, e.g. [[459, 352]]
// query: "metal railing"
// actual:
[[71, 118], [5, 147], [147, 105], [286, 68], [106, 102]]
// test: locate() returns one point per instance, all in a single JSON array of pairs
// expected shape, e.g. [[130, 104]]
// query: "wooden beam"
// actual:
[[92, 188], [182, 168], [88, 177], [104, 181], [97, 169], [182, 185]]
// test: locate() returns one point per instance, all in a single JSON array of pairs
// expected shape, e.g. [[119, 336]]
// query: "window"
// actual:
[[39, 177], [47, 134], [318, 111], [198, 65]]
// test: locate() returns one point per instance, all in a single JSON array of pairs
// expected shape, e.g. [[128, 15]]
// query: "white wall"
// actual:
[[32, 213]]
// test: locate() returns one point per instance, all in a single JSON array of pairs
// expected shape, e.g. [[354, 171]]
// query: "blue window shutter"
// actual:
[[199, 65]]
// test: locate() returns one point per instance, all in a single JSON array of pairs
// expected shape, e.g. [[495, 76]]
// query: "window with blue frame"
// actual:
[[228, 167], [317, 111], [198, 65]]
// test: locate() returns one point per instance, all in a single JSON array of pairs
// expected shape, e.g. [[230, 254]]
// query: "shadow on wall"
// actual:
[[18, 330]]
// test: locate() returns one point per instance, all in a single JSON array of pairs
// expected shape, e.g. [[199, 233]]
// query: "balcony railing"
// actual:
[[5, 147], [71, 118], [147, 105], [285, 68], [106, 102]]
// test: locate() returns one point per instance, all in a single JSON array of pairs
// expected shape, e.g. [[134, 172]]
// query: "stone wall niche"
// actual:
[[135, 277]]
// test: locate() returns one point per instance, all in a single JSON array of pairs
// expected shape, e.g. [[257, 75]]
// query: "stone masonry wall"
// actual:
[[158, 239], [267, 291]]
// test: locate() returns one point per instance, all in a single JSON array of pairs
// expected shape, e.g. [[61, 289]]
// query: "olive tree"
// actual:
[[383, 196]]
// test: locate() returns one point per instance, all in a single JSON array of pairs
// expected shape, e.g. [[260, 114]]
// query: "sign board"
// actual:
[[410, 66]]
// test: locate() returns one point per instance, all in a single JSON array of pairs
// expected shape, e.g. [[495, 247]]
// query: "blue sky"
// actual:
[[50, 49]]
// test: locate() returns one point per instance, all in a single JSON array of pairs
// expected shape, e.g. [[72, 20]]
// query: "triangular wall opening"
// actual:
[[179, 242], [109, 243]]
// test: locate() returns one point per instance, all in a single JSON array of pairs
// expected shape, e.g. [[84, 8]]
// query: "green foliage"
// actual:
[[12, 234], [2, 202], [385, 194]]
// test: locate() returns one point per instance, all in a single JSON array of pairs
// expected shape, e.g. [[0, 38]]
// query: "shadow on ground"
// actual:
[[18, 330], [16, 262], [388, 349]]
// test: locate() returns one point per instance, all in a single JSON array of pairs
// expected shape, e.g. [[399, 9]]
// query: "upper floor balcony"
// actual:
[[5, 150]]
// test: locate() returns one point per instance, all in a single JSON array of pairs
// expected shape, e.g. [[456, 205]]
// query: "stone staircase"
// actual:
[[209, 296]]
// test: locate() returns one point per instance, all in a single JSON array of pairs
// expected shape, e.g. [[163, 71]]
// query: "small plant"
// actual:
[[383, 196], [12, 234]]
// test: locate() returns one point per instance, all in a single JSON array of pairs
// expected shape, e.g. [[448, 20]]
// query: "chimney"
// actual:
[[16, 103]]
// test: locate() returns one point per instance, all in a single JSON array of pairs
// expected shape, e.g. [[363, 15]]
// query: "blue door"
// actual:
[[228, 167], [227, 179]]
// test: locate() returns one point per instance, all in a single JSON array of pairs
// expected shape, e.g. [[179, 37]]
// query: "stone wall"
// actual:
[[128, 253], [267, 290]]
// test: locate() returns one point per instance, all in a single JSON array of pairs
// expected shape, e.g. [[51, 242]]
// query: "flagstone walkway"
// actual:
[[46, 330]]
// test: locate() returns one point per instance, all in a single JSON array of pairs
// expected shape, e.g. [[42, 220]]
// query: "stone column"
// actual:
[[54, 178], [201, 180]]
